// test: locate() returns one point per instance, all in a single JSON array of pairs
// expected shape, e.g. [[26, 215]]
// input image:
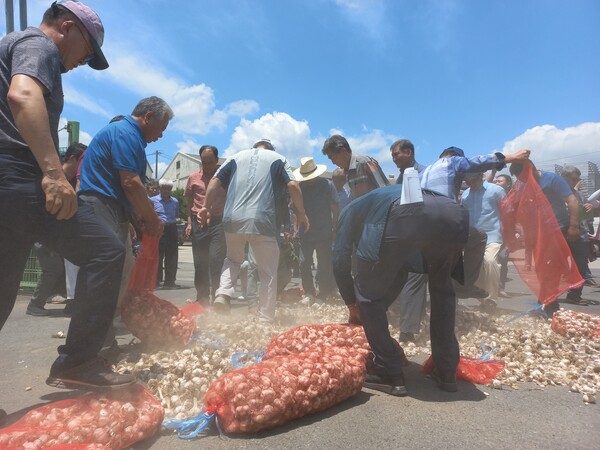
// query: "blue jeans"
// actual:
[[92, 239]]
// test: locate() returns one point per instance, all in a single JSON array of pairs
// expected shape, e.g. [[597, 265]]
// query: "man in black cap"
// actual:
[[38, 203]]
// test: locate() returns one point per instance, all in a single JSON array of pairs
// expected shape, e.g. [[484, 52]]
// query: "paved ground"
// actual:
[[475, 417]]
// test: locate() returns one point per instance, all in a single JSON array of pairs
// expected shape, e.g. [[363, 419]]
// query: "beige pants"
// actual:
[[489, 275]]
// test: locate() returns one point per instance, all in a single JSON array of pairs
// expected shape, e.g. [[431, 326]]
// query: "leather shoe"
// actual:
[[445, 380], [37, 311], [390, 384], [93, 375]]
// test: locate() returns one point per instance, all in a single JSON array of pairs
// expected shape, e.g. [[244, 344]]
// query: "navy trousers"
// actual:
[[93, 239], [209, 250]]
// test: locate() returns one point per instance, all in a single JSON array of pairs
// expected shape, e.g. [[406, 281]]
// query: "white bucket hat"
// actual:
[[309, 170]]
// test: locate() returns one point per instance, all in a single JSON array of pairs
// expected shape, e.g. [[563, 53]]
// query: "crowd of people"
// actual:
[[376, 247]]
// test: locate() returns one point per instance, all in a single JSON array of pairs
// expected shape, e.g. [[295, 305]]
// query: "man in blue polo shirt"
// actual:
[[111, 187]]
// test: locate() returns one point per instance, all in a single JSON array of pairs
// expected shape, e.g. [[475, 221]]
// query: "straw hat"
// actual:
[[309, 170]]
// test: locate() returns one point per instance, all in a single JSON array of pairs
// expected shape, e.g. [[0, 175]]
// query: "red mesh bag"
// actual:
[[535, 242], [156, 322], [284, 388], [576, 324], [112, 420], [472, 370], [305, 337]]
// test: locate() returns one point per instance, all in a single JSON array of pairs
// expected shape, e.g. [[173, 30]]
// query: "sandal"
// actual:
[[577, 301]]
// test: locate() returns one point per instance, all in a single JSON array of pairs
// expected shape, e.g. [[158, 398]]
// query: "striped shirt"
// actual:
[[364, 175]]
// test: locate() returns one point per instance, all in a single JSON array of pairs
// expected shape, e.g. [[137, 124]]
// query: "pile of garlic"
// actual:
[[531, 351]]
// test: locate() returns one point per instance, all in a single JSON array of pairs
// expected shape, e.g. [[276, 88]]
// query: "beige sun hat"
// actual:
[[309, 170]]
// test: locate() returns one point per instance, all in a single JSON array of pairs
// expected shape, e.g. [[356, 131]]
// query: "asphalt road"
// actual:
[[475, 417]]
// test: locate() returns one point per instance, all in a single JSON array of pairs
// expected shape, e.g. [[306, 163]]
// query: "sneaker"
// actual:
[[407, 337], [171, 286], [93, 375], [307, 300], [503, 294], [35, 310], [591, 283], [221, 304], [58, 299], [390, 384], [445, 380]]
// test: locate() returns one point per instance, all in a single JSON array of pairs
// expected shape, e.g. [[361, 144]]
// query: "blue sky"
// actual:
[[481, 75]]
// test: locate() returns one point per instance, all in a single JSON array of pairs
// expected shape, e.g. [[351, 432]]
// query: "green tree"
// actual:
[[183, 201]]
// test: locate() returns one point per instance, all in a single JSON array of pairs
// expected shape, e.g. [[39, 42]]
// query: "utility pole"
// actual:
[[23, 13], [9, 14], [156, 166], [73, 130]]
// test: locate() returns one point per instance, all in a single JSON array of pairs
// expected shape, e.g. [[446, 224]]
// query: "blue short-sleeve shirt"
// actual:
[[118, 146]]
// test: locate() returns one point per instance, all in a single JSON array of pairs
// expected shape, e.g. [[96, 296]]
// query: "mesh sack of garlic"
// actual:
[[576, 324], [115, 420], [283, 388], [469, 369], [157, 322], [305, 337]]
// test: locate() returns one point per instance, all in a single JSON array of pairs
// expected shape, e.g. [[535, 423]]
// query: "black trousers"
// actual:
[[93, 239], [209, 250], [52, 277], [168, 254], [434, 232]]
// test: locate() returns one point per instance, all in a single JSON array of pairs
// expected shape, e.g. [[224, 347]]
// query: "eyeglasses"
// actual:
[[88, 47]]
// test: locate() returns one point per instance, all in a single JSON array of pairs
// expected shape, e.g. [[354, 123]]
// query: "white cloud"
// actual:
[[551, 145], [370, 15], [194, 105], [74, 97], [188, 146], [291, 137], [242, 108]]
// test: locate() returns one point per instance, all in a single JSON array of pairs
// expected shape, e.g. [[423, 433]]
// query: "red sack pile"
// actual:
[[535, 242], [113, 420], [576, 324], [156, 322], [305, 337], [472, 370], [284, 388]]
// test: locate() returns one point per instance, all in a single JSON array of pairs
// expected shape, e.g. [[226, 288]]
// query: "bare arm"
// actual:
[[296, 196], [520, 156], [211, 191], [26, 102], [137, 196], [573, 206], [490, 176], [188, 228]]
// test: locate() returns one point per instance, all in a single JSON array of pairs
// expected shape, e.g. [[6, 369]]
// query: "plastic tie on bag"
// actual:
[[487, 354], [191, 428], [536, 310], [253, 357], [209, 339]]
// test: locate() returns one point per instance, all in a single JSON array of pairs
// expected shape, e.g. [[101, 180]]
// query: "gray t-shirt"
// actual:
[[252, 178], [31, 53]]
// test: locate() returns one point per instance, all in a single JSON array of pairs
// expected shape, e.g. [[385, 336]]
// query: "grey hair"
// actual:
[[570, 170], [153, 104]]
